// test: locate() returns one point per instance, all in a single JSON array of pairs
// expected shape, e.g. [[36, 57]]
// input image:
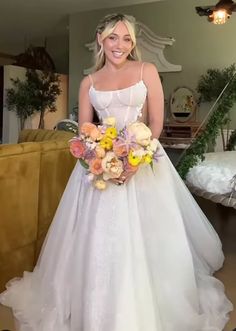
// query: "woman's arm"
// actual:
[[85, 107], [155, 99]]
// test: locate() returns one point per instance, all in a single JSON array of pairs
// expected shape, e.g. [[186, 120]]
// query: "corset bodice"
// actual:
[[124, 104]]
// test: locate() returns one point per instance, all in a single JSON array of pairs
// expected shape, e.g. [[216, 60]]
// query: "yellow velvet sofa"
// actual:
[[33, 176]]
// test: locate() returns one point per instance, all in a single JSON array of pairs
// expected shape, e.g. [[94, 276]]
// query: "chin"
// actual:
[[118, 61]]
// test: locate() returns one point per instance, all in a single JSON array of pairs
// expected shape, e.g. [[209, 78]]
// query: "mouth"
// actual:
[[117, 54]]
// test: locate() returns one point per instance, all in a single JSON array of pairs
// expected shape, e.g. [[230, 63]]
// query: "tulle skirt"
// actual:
[[130, 258]]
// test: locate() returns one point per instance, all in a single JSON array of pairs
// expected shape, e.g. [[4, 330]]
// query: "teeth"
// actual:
[[118, 54]]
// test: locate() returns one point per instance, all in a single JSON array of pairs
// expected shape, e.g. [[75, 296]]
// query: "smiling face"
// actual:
[[118, 44]]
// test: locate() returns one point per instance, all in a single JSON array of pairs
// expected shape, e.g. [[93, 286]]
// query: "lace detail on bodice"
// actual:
[[125, 104]]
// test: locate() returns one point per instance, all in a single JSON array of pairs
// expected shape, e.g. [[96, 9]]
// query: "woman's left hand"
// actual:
[[126, 176]]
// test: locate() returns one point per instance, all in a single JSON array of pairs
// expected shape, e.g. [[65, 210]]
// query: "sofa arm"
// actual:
[[42, 135]]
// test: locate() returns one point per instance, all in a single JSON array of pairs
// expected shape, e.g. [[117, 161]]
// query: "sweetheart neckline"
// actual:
[[118, 90]]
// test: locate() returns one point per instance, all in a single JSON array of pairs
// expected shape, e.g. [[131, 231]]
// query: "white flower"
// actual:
[[141, 133], [91, 144], [111, 121], [153, 144], [149, 152], [139, 152], [112, 166], [100, 184]]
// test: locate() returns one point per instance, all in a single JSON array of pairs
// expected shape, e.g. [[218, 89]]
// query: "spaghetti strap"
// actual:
[[91, 79], [141, 71]]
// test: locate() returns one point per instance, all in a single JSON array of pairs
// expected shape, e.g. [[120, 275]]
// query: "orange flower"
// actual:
[[86, 128], [100, 152], [77, 148], [119, 148], [95, 134], [95, 166]]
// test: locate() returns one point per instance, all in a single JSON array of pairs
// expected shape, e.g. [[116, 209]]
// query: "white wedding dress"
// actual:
[[136, 257]]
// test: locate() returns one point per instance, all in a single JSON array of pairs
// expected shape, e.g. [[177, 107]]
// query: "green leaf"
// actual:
[[84, 164], [151, 165]]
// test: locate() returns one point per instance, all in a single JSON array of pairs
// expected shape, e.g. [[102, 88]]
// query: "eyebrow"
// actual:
[[126, 35]]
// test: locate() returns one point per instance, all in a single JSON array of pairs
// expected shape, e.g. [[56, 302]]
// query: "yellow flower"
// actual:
[[147, 158], [100, 184], [134, 160], [111, 133], [106, 143]]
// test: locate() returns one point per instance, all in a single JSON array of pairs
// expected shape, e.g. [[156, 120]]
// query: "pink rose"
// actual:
[[77, 148], [119, 148]]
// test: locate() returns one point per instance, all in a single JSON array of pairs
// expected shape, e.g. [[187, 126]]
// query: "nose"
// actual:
[[120, 42]]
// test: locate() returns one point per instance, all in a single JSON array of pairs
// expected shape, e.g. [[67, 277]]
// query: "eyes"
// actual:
[[114, 37]]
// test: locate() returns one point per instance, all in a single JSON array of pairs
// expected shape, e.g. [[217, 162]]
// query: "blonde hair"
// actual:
[[105, 27]]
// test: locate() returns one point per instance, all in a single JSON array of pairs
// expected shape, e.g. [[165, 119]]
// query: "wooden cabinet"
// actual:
[[178, 135]]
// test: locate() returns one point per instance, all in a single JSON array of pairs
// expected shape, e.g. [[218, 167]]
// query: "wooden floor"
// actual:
[[224, 221]]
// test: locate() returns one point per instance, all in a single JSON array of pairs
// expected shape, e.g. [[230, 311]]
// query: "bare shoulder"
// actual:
[[149, 69], [136, 65], [96, 76], [150, 75], [85, 83]]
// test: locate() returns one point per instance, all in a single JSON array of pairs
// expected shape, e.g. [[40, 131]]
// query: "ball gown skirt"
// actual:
[[136, 257]]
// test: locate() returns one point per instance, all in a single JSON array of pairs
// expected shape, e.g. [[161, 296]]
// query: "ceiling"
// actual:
[[24, 20]]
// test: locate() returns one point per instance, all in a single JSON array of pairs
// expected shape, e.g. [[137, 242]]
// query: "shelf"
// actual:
[[178, 135]]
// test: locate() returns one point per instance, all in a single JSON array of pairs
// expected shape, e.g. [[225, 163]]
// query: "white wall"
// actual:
[[11, 124]]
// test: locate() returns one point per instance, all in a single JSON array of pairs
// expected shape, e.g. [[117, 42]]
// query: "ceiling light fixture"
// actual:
[[219, 16], [219, 13]]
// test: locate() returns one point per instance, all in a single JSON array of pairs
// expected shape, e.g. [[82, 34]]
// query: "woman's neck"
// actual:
[[115, 68]]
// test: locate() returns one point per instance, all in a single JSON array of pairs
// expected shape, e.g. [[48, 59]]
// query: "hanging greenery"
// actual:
[[209, 87], [38, 93]]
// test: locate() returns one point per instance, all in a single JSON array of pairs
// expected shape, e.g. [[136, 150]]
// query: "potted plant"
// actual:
[[38, 93]]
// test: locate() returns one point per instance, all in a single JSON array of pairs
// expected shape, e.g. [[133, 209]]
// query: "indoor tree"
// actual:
[[37, 93], [18, 99], [45, 88]]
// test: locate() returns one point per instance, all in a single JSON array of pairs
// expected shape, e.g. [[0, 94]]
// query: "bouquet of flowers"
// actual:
[[107, 153]]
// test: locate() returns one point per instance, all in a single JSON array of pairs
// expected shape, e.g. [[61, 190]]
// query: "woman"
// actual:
[[138, 256]]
